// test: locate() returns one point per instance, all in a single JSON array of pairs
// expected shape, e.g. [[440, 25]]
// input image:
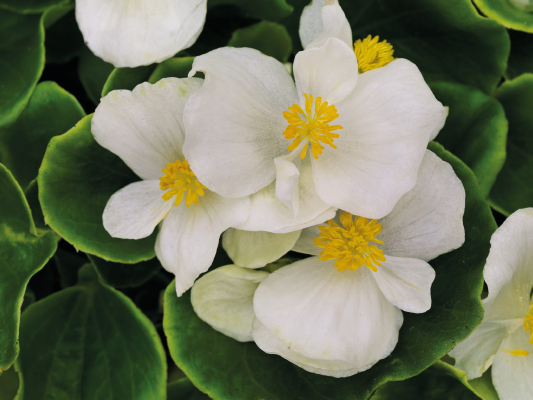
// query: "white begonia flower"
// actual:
[[328, 315], [130, 33], [505, 337], [263, 134], [144, 128]]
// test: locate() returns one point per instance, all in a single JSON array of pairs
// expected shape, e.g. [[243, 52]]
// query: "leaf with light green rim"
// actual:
[[12, 384], [521, 57], [125, 275], [51, 111], [21, 61], [89, 342], [226, 369], [76, 180], [269, 38], [272, 10], [177, 67], [183, 389], [93, 73], [23, 251], [63, 40], [30, 6], [513, 188], [127, 78], [475, 130], [506, 14]]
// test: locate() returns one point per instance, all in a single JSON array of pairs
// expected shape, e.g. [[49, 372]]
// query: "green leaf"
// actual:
[[226, 369], [21, 61], [177, 67], [51, 112], [506, 14], [63, 40], [127, 78], [513, 189], [23, 252], [183, 389], [475, 130], [521, 58], [30, 6], [126, 275], [76, 180], [272, 10], [269, 38], [68, 264], [93, 73], [32, 197], [90, 342], [12, 384]]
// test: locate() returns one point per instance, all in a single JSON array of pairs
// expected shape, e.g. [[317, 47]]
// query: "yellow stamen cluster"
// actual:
[[180, 179], [528, 326], [372, 54], [311, 127], [349, 246]]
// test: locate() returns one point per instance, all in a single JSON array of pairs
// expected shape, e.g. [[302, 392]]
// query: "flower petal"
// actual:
[[235, 123], [304, 244], [257, 249], [224, 299], [509, 268], [134, 211], [329, 71], [511, 374], [406, 283], [269, 214], [322, 20], [329, 322], [144, 127], [428, 220], [287, 175], [387, 121], [188, 239], [129, 34], [476, 354]]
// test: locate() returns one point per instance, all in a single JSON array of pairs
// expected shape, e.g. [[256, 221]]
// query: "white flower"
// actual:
[[363, 136], [144, 128], [129, 33], [505, 337], [340, 322]]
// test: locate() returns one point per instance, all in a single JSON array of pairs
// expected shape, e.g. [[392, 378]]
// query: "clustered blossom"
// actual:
[[333, 164]]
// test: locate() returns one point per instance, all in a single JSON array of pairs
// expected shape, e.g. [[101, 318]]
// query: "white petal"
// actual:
[[287, 175], [406, 283], [476, 354], [387, 121], [329, 71], [235, 122], [132, 33], [144, 127], [224, 299], [437, 129], [322, 20], [304, 244], [269, 214], [134, 211], [509, 268], [511, 375], [257, 249], [329, 322], [428, 220], [328, 214], [188, 239]]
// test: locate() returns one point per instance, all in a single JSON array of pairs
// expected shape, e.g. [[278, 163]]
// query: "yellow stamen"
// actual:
[[311, 127], [372, 54], [180, 179], [349, 246], [518, 353], [528, 324]]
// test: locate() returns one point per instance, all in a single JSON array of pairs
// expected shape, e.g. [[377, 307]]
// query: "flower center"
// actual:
[[372, 54], [528, 326], [311, 126], [349, 246], [180, 179]]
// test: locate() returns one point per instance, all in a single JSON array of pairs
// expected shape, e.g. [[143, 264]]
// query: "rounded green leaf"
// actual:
[[12, 384], [269, 38], [63, 40], [272, 10], [475, 130], [177, 67], [513, 188], [51, 112], [521, 57], [90, 342], [127, 78], [226, 369], [76, 180], [30, 6], [23, 252], [505, 13], [126, 275], [183, 389], [93, 73], [21, 61]]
